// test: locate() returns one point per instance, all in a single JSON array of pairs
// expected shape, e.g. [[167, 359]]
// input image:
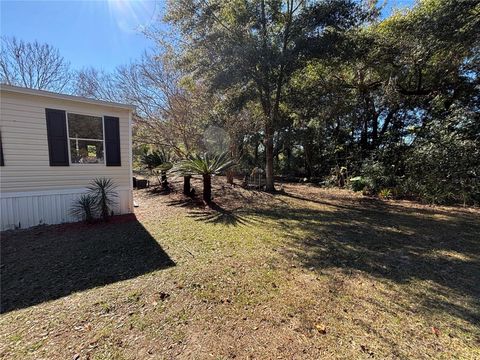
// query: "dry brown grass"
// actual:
[[308, 273]]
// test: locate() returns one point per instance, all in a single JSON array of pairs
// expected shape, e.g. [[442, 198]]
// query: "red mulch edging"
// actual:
[[75, 226]]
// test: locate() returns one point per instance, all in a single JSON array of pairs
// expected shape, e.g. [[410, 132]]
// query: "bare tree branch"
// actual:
[[33, 65]]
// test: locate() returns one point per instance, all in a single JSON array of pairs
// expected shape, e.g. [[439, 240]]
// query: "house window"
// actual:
[[85, 136]]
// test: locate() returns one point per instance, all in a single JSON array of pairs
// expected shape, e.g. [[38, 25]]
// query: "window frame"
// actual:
[[103, 139]]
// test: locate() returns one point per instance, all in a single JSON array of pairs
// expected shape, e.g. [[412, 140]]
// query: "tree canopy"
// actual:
[[250, 49]]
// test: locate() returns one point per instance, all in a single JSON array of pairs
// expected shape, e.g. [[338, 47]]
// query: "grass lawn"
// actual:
[[306, 274]]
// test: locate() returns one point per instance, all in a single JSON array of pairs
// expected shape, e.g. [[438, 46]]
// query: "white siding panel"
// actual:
[[25, 146], [28, 209]]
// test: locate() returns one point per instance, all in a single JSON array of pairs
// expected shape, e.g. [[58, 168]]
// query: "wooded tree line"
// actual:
[[324, 90]]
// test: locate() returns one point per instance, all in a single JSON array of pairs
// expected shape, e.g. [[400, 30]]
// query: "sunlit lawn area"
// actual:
[[309, 273]]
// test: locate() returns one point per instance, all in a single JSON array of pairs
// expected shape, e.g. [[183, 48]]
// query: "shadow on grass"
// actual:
[[218, 215], [214, 213], [50, 262], [390, 241]]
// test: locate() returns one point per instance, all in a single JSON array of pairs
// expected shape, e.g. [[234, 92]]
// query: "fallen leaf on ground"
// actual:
[[322, 329]]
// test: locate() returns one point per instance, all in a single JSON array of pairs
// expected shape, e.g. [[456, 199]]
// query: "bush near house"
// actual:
[[98, 202]]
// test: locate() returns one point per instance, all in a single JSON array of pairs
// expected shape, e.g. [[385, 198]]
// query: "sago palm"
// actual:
[[158, 162], [205, 164]]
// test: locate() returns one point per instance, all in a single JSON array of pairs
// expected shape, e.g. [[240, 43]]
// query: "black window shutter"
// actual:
[[112, 141], [2, 162], [57, 137]]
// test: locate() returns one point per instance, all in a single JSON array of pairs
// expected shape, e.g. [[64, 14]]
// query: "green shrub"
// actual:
[[157, 162], [385, 193], [359, 183], [84, 208], [445, 168], [378, 176], [104, 194]]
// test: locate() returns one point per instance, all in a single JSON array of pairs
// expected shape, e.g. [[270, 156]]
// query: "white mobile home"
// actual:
[[51, 146]]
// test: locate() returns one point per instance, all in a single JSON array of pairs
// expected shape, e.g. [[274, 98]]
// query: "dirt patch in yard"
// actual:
[[306, 273]]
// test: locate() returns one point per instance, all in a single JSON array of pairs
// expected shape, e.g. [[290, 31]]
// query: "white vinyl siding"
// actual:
[[25, 145]]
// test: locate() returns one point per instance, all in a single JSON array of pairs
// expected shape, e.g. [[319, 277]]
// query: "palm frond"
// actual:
[[83, 208], [104, 193], [203, 164], [157, 161]]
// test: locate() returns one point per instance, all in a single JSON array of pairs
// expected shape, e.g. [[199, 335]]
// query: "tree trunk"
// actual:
[[364, 138], [274, 114], [164, 180], [230, 173], [230, 176], [186, 185], [288, 153], [307, 151], [104, 210], [207, 188], [374, 131], [269, 184]]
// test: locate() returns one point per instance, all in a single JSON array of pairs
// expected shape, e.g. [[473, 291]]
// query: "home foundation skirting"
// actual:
[[21, 210]]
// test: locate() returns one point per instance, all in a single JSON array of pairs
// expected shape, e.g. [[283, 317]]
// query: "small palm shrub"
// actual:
[[158, 162], [84, 208], [385, 193], [104, 194], [205, 164]]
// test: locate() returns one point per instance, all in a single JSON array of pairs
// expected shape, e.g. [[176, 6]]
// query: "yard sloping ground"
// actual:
[[307, 273]]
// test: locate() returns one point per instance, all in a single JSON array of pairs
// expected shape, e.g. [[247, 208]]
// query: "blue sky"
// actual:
[[102, 34]]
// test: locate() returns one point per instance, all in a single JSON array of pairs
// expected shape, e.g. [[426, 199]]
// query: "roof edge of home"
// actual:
[[54, 95]]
